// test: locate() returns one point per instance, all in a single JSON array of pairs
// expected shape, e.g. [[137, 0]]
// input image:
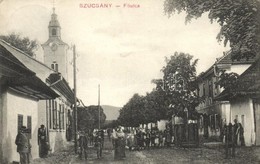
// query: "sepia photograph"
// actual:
[[129, 81]]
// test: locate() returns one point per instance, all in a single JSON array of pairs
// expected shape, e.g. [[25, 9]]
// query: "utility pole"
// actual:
[[98, 106], [75, 99]]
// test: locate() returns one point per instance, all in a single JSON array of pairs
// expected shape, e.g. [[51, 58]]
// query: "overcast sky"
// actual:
[[122, 49]]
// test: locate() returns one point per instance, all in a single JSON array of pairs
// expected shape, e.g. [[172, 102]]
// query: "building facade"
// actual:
[[20, 92], [214, 114], [244, 100], [53, 112]]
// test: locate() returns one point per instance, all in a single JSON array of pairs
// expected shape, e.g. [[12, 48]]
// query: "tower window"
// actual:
[[53, 32], [54, 66]]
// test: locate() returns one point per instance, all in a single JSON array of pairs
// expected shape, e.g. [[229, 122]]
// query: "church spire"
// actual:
[[54, 26]]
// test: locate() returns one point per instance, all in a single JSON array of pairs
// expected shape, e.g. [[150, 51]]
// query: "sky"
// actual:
[[120, 48]]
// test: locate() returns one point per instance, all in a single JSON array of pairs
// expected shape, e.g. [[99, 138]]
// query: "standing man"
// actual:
[[23, 145], [42, 142], [83, 144], [235, 129]]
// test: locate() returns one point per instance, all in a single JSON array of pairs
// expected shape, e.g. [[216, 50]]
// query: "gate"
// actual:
[[185, 134]]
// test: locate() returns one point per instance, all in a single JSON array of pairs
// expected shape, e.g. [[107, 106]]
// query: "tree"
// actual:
[[84, 119], [179, 84], [228, 80], [94, 112], [132, 113], [155, 106], [25, 44], [239, 21]]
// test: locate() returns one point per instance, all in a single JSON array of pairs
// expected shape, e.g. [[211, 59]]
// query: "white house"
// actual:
[[20, 92], [244, 101], [215, 113]]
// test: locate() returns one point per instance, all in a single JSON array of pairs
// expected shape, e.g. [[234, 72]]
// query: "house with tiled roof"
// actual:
[[214, 114], [244, 99], [21, 90]]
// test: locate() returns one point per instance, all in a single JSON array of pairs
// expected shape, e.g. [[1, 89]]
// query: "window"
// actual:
[[215, 88], [54, 32], [201, 122], [62, 117], [203, 90], [54, 66], [236, 117], [54, 114], [29, 126], [59, 114], [243, 120], [210, 89], [20, 122], [217, 121], [50, 113], [212, 122]]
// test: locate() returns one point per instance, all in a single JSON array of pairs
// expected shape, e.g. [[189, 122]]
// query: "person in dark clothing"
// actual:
[[102, 134], [168, 137], [23, 146], [98, 144], [83, 145], [42, 142], [153, 136], [109, 132], [240, 135], [147, 139], [120, 142], [229, 140], [235, 129]]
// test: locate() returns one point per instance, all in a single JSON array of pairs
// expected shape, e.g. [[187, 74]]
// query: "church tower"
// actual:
[[55, 50]]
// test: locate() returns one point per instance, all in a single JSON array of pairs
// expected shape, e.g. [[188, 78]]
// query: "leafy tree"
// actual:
[[23, 43], [85, 119], [89, 117], [155, 106], [239, 21], [228, 80], [132, 114], [179, 84]]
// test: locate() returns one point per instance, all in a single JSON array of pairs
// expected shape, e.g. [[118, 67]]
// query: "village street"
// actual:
[[202, 154]]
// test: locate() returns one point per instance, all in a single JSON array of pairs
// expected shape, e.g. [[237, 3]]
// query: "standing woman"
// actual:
[[42, 142], [120, 144], [240, 135]]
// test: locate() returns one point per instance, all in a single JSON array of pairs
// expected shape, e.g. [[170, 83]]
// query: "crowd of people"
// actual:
[[123, 138], [139, 138]]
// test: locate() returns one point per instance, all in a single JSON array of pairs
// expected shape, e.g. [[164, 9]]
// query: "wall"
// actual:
[[244, 106], [57, 139], [257, 121], [239, 69], [2, 112], [15, 104], [59, 56]]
